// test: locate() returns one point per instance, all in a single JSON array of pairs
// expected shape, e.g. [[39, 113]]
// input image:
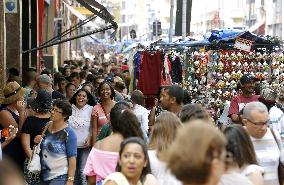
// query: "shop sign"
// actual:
[[243, 44], [10, 6]]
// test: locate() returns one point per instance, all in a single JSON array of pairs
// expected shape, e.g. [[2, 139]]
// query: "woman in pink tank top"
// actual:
[[103, 158], [100, 115]]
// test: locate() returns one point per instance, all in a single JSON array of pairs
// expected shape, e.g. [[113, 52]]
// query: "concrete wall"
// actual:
[[2, 48], [13, 39]]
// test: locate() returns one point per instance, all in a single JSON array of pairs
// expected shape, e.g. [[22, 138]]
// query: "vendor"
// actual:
[[246, 95]]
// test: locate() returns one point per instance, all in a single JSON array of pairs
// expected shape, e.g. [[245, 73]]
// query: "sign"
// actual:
[[243, 44], [10, 6]]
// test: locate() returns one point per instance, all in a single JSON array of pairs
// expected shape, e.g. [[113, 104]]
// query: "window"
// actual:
[[123, 19], [123, 5]]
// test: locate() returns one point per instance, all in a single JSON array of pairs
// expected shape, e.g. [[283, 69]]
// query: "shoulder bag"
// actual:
[[34, 165]]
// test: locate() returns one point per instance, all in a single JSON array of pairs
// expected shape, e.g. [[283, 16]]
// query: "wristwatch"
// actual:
[[71, 178]]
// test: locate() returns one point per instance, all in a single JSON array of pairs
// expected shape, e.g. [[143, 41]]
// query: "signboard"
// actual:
[[10, 6], [243, 44]]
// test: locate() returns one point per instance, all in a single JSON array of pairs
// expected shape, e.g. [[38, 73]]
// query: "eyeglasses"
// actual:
[[259, 124], [55, 110]]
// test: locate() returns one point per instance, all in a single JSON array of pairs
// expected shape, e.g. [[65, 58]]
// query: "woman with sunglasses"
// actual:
[[133, 166], [58, 147]]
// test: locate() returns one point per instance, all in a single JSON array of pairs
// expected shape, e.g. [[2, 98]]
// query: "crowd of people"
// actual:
[[92, 130]]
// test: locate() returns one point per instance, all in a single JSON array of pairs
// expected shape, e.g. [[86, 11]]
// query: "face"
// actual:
[[42, 85], [81, 99], [70, 91], [67, 72], [165, 99], [98, 82], [62, 85], [105, 91], [132, 161], [257, 124], [56, 114], [248, 87], [33, 93], [88, 88], [76, 81]]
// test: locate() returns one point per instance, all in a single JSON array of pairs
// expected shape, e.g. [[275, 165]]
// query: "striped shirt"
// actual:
[[268, 154]]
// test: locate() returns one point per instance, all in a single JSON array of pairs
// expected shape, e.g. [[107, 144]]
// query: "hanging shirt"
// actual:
[[176, 70], [150, 73]]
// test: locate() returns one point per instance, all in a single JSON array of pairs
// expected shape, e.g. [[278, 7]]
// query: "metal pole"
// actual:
[[156, 33], [184, 4], [171, 22]]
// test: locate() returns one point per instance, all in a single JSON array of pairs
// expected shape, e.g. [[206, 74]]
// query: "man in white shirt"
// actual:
[[256, 121]]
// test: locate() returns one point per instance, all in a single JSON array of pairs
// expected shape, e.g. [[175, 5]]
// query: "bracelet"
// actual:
[[71, 178]]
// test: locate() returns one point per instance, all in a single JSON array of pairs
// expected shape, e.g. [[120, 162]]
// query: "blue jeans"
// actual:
[[82, 155], [60, 180]]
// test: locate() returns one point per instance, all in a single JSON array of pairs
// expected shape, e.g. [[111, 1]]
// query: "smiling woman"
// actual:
[[80, 120]]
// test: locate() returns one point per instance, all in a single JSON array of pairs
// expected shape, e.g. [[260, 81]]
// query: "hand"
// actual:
[[156, 102], [11, 137], [20, 106], [37, 139], [87, 142]]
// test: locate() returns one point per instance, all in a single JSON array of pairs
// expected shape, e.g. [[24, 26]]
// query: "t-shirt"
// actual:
[[239, 102], [267, 153], [142, 114], [150, 73], [34, 126], [160, 170], [234, 178], [55, 150], [119, 179], [80, 121], [276, 119]]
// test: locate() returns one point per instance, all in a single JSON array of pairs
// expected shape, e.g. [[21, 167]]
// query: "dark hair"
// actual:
[[69, 84], [61, 79], [90, 78], [146, 170], [30, 76], [186, 97], [175, 91], [83, 74], [138, 97], [74, 75], [240, 145], [115, 113], [120, 86], [111, 88], [193, 111], [127, 123], [65, 106], [46, 71], [88, 84], [13, 71], [90, 97]]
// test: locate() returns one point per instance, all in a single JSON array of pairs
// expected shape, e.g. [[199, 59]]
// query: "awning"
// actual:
[[83, 11], [258, 28], [80, 16]]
